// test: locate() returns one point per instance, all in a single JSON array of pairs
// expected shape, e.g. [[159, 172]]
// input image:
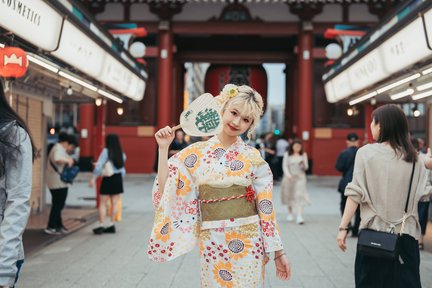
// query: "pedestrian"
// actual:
[[269, 148], [423, 204], [261, 146], [232, 186], [112, 185], [178, 144], [381, 178], [345, 165], [281, 147], [17, 153], [293, 188], [58, 158]]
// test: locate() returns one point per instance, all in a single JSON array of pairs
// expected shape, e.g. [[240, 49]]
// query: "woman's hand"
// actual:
[[92, 183], [283, 268], [341, 237], [164, 137]]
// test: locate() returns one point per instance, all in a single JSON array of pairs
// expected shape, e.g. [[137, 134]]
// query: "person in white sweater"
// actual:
[[380, 184]]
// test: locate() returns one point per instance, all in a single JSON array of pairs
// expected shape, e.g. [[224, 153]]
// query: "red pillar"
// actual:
[[99, 141], [368, 108], [86, 122], [165, 75], [305, 83]]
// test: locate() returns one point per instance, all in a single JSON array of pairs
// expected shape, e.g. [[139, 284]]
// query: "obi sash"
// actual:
[[225, 203]]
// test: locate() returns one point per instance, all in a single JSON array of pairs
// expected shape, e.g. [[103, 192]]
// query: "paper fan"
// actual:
[[201, 117]]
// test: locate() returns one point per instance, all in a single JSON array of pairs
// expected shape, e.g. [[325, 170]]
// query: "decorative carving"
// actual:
[[235, 12], [306, 11], [165, 11], [94, 7]]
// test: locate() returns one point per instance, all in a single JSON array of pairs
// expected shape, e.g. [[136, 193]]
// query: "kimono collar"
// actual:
[[237, 143]]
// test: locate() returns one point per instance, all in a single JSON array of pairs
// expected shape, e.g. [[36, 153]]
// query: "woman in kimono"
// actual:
[[218, 194], [293, 188]]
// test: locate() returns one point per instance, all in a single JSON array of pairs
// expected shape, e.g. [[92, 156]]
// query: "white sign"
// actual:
[[341, 86], [328, 87], [80, 51], [406, 47], [366, 71], [428, 25], [32, 20]]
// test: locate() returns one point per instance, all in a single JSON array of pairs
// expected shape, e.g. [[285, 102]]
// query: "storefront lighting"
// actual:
[[416, 111], [2, 45], [427, 71], [402, 94], [120, 111], [110, 96], [424, 86], [422, 95], [98, 102], [78, 81], [397, 83], [42, 63], [363, 98]]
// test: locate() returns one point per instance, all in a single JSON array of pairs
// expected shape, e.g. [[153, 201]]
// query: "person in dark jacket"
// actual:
[[345, 165]]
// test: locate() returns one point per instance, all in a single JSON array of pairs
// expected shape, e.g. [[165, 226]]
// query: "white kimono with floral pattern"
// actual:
[[232, 251]]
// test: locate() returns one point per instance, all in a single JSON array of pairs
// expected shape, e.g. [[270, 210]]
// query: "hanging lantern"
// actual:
[[13, 62], [254, 76]]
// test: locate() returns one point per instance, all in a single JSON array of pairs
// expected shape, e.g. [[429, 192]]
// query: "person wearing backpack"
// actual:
[[17, 153], [58, 158]]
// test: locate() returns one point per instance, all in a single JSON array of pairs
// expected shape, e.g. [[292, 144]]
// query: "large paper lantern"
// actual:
[[13, 62], [254, 76]]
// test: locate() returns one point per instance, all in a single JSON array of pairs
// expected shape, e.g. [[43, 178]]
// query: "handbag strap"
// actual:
[[409, 188]]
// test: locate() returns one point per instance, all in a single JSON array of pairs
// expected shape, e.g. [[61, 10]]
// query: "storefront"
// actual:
[[72, 59]]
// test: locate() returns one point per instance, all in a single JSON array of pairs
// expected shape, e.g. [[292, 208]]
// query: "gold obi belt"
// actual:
[[226, 203]]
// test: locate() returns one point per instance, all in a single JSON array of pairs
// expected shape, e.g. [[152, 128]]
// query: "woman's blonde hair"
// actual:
[[248, 99]]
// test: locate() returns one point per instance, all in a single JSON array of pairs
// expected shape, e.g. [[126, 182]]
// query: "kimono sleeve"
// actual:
[[263, 186], [176, 228]]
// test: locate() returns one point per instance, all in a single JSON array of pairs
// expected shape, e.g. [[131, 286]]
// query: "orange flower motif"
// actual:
[[222, 273], [191, 157], [265, 206], [238, 245], [183, 185], [163, 230], [239, 166]]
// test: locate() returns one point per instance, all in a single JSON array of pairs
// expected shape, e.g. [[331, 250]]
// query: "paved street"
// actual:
[[120, 260]]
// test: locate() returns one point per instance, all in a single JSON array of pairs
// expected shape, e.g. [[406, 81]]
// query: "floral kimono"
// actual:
[[232, 250]]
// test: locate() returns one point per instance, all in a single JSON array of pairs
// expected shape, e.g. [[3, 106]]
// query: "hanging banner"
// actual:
[[32, 20]]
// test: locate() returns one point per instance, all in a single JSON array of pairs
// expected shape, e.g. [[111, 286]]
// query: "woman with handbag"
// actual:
[[110, 166], [388, 181]]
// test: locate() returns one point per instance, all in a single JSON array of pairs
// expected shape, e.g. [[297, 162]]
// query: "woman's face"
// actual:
[[297, 147], [234, 123], [375, 129]]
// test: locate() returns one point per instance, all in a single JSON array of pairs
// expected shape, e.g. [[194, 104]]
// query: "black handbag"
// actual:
[[383, 244]]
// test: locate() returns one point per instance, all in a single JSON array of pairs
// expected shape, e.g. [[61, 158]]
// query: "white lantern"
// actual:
[[333, 51], [137, 49]]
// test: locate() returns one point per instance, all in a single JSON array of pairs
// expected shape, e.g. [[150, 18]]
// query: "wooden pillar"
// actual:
[[86, 124], [305, 84], [165, 75], [99, 142], [368, 108]]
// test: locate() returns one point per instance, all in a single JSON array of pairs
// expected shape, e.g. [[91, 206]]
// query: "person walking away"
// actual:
[[345, 165], [423, 204], [17, 153], [112, 186], [281, 148], [380, 183], [293, 188], [236, 225], [58, 158]]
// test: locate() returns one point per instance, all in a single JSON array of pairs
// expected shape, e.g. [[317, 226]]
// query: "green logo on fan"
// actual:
[[207, 120]]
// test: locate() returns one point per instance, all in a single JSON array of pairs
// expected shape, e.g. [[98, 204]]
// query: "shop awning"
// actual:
[[390, 63], [74, 46]]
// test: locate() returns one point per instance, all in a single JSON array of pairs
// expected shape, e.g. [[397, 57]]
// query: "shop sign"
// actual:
[[32, 20], [328, 88], [341, 86], [13, 62], [405, 48], [428, 26], [366, 71], [115, 75], [80, 51]]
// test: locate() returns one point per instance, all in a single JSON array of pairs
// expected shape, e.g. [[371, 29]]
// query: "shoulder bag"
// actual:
[[383, 244], [108, 169], [68, 174]]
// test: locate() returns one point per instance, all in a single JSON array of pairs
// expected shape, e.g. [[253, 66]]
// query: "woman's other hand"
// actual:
[[164, 137], [283, 268], [341, 239]]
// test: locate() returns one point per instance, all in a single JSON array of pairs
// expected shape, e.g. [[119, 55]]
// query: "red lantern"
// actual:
[[254, 76], [13, 62]]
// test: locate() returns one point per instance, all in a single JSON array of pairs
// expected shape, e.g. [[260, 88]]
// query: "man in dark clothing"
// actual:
[[178, 144], [345, 165]]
